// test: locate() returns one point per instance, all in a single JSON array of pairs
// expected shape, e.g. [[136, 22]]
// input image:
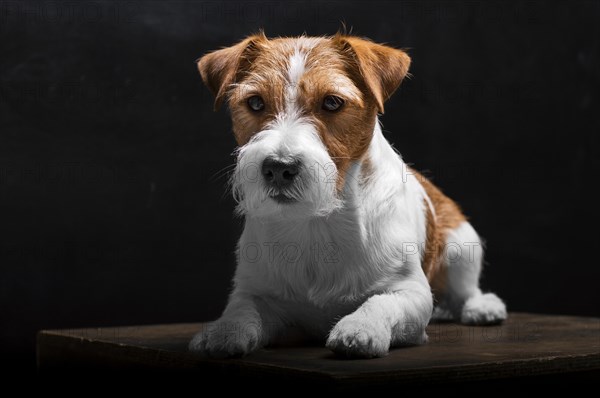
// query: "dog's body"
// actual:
[[342, 240]]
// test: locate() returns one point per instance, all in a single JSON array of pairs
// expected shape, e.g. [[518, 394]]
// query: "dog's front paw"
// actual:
[[224, 338], [356, 337]]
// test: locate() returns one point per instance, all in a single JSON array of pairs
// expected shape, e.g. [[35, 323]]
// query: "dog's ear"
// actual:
[[220, 68], [381, 67]]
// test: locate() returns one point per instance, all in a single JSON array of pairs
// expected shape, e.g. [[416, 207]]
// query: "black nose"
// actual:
[[280, 173]]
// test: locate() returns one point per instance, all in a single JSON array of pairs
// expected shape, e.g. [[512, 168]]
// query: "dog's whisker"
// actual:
[[224, 172]]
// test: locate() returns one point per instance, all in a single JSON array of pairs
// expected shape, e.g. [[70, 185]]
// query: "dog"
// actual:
[[342, 242]]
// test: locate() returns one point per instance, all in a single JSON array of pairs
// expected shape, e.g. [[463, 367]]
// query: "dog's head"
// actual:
[[303, 110]]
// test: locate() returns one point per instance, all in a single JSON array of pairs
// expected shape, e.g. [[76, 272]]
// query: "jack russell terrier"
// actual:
[[342, 241]]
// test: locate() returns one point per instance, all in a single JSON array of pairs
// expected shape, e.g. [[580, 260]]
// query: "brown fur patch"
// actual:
[[346, 133], [219, 69], [381, 67], [448, 216]]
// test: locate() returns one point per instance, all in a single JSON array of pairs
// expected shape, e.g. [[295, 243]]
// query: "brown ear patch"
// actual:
[[382, 67], [219, 69]]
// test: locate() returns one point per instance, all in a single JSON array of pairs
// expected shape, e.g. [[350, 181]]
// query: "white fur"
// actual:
[[288, 136], [463, 299], [483, 309], [296, 68], [297, 65]]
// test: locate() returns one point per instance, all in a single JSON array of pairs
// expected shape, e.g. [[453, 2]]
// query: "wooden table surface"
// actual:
[[525, 345]]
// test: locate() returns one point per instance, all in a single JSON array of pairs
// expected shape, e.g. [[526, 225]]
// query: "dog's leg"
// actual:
[[245, 326], [384, 320], [463, 300]]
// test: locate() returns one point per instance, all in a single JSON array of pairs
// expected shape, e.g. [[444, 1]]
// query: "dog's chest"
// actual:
[[323, 262]]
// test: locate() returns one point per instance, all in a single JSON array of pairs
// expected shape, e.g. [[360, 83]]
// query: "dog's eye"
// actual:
[[332, 103], [256, 103]]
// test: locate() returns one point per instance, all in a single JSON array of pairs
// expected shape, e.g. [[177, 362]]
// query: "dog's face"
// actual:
[[303, 109]]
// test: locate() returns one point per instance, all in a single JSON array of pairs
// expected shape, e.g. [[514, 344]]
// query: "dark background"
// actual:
[[112, 203]]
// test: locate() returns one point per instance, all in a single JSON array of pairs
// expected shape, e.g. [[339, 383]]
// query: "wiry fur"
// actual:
[[344, 260], [286, 137]]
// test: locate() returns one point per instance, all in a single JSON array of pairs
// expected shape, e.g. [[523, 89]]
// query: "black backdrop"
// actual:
[[112, 202]]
